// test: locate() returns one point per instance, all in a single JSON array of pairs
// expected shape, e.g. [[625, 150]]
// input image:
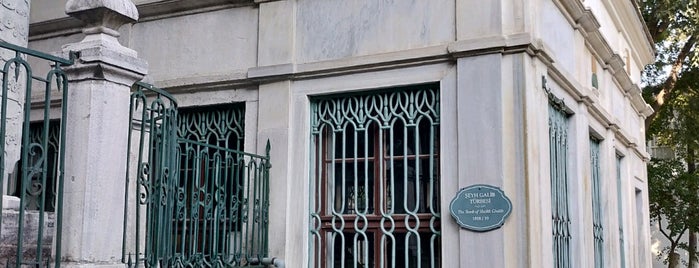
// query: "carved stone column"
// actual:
[[14, 29], [96, 136]]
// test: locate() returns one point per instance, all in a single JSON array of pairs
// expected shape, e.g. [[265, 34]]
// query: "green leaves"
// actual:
[[677, 122], [666, 18], [671, 86], [673, 195]]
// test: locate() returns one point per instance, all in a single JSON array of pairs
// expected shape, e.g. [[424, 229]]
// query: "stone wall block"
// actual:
[[14, 29], [30, 232]]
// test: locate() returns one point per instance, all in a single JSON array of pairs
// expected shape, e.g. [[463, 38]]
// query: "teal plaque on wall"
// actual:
[[480, 207]]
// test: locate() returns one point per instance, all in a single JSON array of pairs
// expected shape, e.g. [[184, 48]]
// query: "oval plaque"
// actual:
[[480, 207]]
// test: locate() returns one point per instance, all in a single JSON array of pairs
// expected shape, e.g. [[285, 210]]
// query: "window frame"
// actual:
[[377, 137]]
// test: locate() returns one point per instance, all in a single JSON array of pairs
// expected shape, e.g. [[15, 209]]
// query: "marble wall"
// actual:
[[335, 29], [199, 45], [14, 29]]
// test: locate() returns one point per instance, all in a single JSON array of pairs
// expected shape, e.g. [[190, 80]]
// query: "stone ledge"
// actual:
[[390, 60], [493, 43], [206, 82], [10, 202]]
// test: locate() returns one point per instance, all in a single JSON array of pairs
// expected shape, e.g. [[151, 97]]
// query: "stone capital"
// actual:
[[99, 62], [102, 16], [100, 56]]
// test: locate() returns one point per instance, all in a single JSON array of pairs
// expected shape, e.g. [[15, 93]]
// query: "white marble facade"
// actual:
[[14, 29], [489, 58]]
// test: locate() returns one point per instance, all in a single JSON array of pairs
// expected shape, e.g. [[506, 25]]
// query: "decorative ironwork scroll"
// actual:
[[193, 199], [375, 179], [39, 173]]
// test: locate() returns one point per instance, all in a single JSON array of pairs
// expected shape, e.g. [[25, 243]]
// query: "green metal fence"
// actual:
[[191, 203], [35, 224]]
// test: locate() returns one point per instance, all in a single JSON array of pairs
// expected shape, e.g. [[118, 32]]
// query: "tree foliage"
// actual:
[[673, 196], [674, 27], [672, 90]]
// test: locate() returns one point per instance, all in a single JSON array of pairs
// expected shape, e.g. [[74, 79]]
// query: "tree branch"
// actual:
[[659, 29], [662, 231], [668, 87], [677, 240]]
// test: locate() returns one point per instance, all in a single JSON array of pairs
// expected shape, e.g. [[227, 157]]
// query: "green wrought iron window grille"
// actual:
[[200, 200], [560, 208], [212, 178], [36, 188], [597, 213], [375, 179], [220, 125], [620, 212]]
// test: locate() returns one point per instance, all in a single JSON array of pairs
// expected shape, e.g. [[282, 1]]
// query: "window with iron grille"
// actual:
[[211, 179], [375, 179], [597, 226], [560, 211], [220, 125], [620, 212], [39, 192]]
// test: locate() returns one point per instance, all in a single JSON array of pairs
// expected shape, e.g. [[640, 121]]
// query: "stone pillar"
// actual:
[[276, 51], [96, 135], [14, 29]]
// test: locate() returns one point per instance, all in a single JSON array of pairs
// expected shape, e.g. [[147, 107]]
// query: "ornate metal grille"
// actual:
[[29, 240], [35, 187], [375, 179], [220, 125], [558, 153], [597, 227], [205, 203], [620, 212], [210, 172]]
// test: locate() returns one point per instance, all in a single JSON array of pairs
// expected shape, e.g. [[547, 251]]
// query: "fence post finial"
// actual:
[[102, 16], [268, 148]]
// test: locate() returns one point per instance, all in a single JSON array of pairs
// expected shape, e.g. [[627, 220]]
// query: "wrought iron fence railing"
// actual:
[[31, 164], [190, 203]]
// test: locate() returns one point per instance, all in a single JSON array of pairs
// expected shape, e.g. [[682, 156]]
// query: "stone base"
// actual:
[[91, 265], [30, 231], [10, 202]]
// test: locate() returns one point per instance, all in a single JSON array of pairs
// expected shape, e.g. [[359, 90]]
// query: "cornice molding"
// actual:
[[628, 15], [589, 98], [588, 25], [625, 15]]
